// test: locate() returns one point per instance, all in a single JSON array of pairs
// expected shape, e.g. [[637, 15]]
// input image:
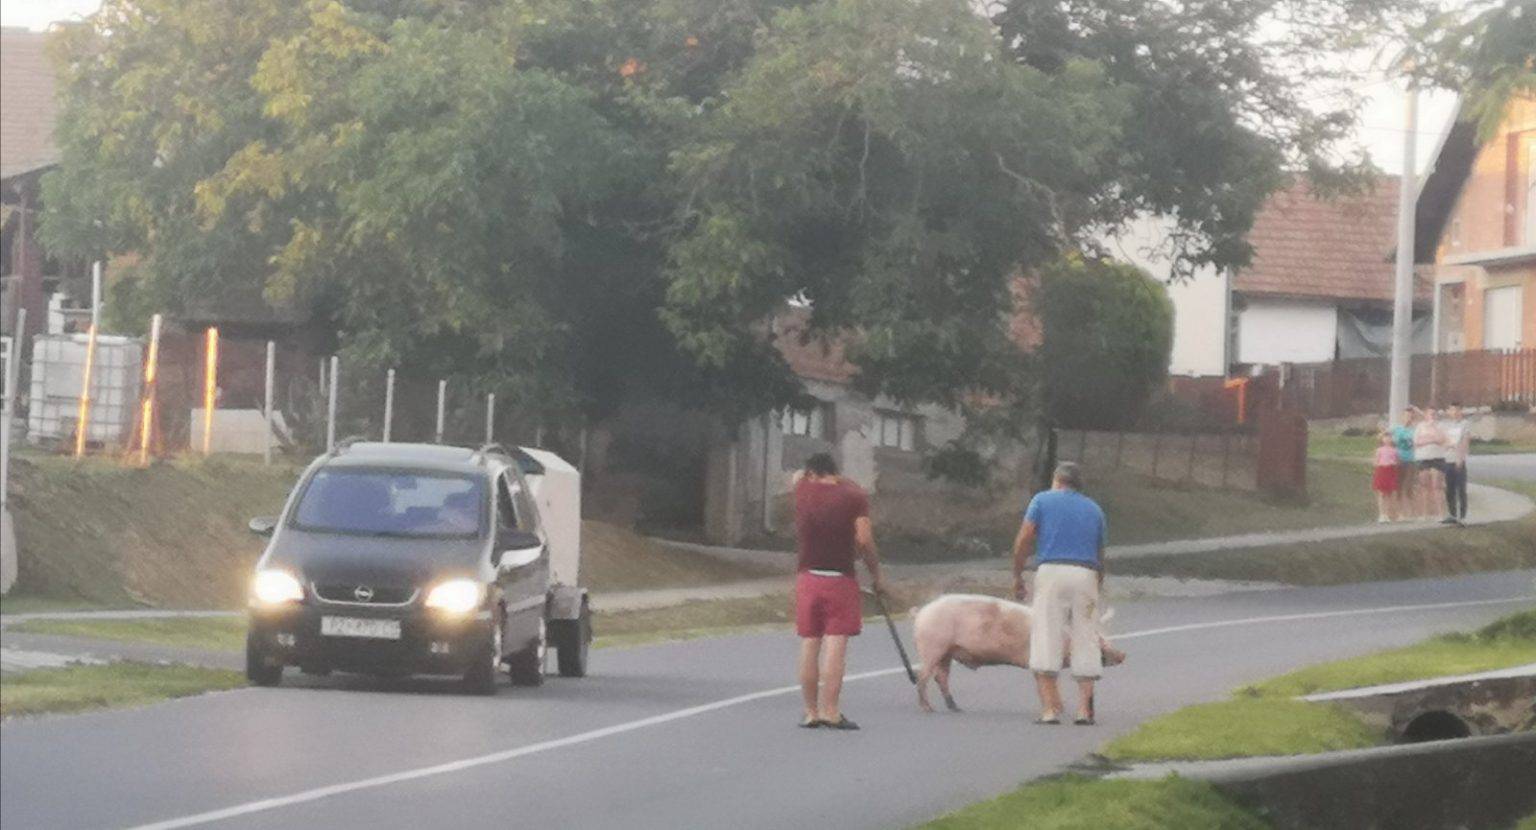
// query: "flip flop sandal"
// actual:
[[813, 723], [1088, 721], [1047, 721], [842, 722]]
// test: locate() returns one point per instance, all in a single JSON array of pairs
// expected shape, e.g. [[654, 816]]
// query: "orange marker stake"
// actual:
[[83, 420], [210, 388]]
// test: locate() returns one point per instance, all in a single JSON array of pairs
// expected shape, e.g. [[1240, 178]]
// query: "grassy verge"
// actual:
[[1509, 642], [79, 688], [1425, 551], [25, 604], [953, 526], [1075, 803], [614, 558], [1362, 447], [206, 633], [1266, 719]]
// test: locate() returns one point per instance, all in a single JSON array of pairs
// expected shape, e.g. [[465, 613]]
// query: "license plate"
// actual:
[[357, 627]]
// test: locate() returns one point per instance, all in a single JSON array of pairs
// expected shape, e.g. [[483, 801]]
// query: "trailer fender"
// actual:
[[566, 601]]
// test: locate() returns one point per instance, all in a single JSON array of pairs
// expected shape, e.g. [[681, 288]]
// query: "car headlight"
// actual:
[[274, 587], [457, 596]]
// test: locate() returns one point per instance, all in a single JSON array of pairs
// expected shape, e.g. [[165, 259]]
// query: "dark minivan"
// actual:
[[399, 559]]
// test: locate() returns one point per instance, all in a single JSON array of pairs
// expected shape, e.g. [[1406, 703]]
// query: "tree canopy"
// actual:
[[573, 203], [1486, 51]]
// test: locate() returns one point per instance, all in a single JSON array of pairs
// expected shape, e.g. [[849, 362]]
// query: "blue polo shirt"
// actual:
[[1070, 527], [1403, 438]]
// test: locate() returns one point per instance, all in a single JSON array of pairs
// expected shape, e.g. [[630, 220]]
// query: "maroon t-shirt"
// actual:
[[824, 516]]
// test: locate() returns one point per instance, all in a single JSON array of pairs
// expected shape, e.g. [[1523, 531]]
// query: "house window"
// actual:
[[897, 430], [810, 423]]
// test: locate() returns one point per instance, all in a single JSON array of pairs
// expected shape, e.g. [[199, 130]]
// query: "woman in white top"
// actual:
[[1430, 450]]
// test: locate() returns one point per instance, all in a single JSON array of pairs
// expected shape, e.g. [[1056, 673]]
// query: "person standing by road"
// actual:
[[1066, 530], [1429, 450], [1384, 479], [832, 523], [1407, 469], [1458, 435]]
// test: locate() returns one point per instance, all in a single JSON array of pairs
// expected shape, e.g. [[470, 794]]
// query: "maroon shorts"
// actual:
[[827, 605], [1384, 480]]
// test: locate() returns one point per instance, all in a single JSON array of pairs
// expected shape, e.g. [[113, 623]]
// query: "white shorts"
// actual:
[[1065, 611]]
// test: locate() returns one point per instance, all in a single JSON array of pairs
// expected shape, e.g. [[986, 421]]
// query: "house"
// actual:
[[28, 275], [1476, 229], [1319, 286], [877, 442]]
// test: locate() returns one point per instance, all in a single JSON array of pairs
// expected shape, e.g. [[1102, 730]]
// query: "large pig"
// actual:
[[977, 631]]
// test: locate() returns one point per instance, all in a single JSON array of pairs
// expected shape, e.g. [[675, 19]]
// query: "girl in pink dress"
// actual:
[[1384, 479]]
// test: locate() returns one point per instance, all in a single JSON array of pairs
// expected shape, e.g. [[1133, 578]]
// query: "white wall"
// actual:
[[1199, 303], [1286, 331]]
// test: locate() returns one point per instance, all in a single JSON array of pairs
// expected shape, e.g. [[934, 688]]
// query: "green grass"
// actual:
[[1266, 719], [21, 604], [1363, 447], [1508, 642], [1243, 728], [80, 688], [207, 633], [1527, 823], [172, 534], [1422, 551], [1076, 803]]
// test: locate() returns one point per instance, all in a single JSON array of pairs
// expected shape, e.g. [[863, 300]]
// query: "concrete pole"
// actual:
[[330, 408], [490, 416], [1402, 308], [442, 397], [266, 403], [96, 294], [8, 406], [389, 402]]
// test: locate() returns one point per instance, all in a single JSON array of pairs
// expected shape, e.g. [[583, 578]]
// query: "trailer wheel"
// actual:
[[526, 668], [258, 671], [573, 638]]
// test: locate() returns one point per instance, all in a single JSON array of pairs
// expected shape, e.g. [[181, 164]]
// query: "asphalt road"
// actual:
[[691, 734]]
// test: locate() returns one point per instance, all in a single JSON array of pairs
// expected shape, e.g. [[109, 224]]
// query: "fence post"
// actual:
[[151, 372], [330, 408], [210, 387], [12, 371], [490, 416], [389, 402], [83, 419], [442, 394], [266, 404], [1226, 450]]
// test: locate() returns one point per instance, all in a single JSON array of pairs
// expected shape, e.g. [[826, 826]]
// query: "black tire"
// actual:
[[573, 640], [526, 668], [481, 677], [259, 671]]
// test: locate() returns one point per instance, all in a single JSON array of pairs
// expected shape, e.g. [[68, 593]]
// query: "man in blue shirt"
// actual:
[[1066, 531]]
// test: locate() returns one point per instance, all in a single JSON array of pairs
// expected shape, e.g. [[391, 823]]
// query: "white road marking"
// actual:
[[630, 726]]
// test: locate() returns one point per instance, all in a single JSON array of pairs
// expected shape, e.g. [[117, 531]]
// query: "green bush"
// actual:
[[1108, 330]]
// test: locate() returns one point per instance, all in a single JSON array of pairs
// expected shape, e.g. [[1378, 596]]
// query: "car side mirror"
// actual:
[[516, 548], [262, 525]]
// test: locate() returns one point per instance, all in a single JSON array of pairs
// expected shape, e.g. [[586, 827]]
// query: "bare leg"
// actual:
[[943, 677], [1050, 695], [810, 649], [833, 661], [1381, 507], [1084, 697]]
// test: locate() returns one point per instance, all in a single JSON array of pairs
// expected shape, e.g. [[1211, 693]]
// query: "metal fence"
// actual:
[[1343, 388]]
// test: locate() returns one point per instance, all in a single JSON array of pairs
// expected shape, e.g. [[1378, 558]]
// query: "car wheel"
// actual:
[[572, 641], [481, 678], [259, 671], [526, 668]]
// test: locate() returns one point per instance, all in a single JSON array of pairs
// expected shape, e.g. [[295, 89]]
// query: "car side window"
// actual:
[[527, 513], [506, 514]]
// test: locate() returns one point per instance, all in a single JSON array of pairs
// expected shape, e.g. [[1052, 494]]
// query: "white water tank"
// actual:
[[58, 366]]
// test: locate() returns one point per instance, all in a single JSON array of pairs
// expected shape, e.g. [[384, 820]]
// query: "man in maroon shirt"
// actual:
[[832, 522]]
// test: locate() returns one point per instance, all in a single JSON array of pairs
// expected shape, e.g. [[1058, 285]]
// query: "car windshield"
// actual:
[[393, 503]]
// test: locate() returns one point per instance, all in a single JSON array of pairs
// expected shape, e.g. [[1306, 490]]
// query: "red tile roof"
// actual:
[[1305, 246], [27, 105]]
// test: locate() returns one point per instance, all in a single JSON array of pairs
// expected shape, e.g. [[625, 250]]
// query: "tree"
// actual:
[[1108, 329], [1486, 51]]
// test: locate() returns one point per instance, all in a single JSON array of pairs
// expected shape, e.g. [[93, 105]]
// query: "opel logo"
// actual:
[[363, 593]]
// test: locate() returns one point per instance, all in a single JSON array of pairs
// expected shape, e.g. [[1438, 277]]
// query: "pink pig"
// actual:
[[977, 631]]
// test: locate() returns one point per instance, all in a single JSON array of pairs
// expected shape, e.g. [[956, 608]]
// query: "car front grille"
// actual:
[[353, 594]]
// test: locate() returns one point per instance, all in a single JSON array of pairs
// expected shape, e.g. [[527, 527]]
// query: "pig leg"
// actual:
[[923, 674], [942, 675]]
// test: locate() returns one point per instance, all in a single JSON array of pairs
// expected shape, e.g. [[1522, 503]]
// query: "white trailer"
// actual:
[[556, 490]]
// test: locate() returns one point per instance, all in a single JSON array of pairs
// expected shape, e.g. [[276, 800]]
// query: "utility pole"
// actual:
[[1402, 308]]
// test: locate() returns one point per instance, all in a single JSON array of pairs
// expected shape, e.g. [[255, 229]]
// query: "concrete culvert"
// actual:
[[1435, 726]]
